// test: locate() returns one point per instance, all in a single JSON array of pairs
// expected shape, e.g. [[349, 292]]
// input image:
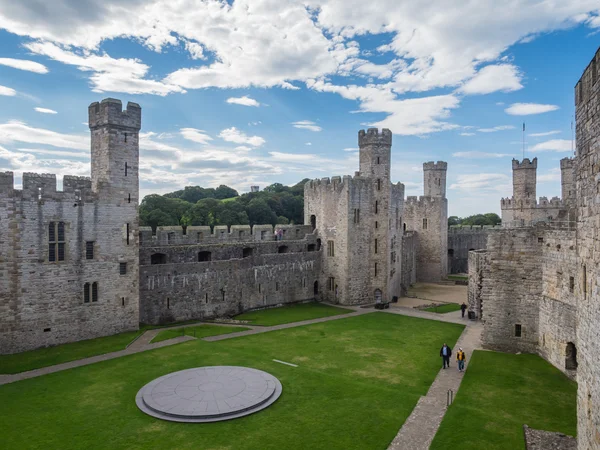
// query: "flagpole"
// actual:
[[523, 140]]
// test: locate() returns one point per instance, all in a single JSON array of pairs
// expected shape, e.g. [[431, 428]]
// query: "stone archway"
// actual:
[[571, 357]]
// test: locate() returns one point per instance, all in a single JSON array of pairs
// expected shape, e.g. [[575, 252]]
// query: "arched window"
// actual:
[[316, 288], [571, 357], [94, 292], [313, 222], [56, 241], [86, 293]]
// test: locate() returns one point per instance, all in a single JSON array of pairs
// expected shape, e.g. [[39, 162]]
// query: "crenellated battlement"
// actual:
[[414, 201], [440, 165], [468, 229], [43, 186], [567, 163], [511, 203], [331, 183], [525, 164], [373, 137], [110, 112], [584, 87], [221, 234]]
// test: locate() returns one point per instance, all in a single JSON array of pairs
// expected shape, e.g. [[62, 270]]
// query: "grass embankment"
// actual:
[[199, 331], [442, 309], [59, 354], [291, 313], [500, 393], [357, 381]]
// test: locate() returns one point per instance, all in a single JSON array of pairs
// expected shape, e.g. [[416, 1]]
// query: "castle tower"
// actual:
[[115, 149], [375, 153], [567, 181], [524, 179], [434, 179]]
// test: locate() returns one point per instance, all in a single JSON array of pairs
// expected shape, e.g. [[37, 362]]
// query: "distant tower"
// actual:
[[254, 188], [115, 149], [375, 152], [524, 179], [434, 178], [567, 181]]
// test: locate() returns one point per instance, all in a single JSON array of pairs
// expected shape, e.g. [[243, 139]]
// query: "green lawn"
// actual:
[[356, 382], [199, 331], [291, 313], [458, 277], [441, 309], [499, 394], [50, 356]]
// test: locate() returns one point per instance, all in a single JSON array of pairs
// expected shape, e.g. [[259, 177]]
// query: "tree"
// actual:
[[259, 213], [453, 220], [223, 192], [282, 220]]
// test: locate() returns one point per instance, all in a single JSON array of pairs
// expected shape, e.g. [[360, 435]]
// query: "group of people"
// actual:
[[446, 353]]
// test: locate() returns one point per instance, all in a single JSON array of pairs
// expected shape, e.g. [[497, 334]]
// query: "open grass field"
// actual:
[[441, 309], [291, 313], [50, 356], [500, 393], [356, 382], [199, 331]]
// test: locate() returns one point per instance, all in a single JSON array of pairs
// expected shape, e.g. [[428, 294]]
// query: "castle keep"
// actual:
[[74, 264], [536, 286]]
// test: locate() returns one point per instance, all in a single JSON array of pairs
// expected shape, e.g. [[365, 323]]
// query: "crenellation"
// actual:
[[525, 164], [110, 112], [7, 181], [373, 137]]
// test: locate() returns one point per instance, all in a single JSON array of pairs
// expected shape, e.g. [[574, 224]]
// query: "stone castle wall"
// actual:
[[587, 170], [42, 302], [462, 240], [201, 275], [409, 260]]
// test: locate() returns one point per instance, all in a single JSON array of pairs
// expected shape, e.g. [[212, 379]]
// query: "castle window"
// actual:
[[540, 240], [222, 295], [376, 224], [330, 283], [313, 222], [451, 252], [276, 285], [89, 250], [311, 247], [56, 241], [571, 357], [125, 137], [94, 291], [303, 282], [376, 206], [571, 284], [204, 256], [205, 298], [356, 215], [122, 301], [378, 184], [122, 268], [263, 235], [86, 293], [378, 160], [404, 226], [424, 224], [518, 330], [330, 248], [247, 252], [125, 169], [199, 236], [168, 303], [375, 269], [376, 246], [158, 258], [127, 233], [259, 288], [129, 198], [283, 249], [584, 282]]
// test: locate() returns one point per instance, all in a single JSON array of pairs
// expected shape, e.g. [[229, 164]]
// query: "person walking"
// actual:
[[463, 308], [445, 353], [460, 358]]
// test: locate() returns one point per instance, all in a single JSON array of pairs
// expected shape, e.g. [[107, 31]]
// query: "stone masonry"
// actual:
[[536, 287]]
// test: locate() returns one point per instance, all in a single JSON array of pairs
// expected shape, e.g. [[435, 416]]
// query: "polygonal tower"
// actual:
[[567, 167], [434, 178], [524, 179]]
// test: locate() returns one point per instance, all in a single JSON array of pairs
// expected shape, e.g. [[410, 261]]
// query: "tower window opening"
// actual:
[[378, 184], [376, 246], [127, 233], [375, 269], [378, 160], [330, 248], [376, 206], [125, 169], [518, 330], [424, 224]]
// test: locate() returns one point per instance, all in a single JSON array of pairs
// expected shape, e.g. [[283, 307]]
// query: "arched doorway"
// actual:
[[316, 289], [571, 357], [318, 244], [378, 296], [313, 222]]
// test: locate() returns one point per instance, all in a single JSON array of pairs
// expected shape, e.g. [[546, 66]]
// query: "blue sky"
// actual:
[[259, 91]]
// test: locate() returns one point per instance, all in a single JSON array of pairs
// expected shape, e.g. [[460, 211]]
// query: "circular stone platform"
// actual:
[[208, 394]]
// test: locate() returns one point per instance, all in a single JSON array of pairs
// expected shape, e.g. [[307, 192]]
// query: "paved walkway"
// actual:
[[418, 431]]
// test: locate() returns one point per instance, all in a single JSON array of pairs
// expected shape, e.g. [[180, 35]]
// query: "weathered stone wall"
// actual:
[[42, 302], [479, 270], [462, 240], [409, 260], [221, 275], [587, 169]]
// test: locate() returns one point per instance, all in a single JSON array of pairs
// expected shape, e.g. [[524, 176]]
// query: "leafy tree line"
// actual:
[[476, 219], [195, 205]]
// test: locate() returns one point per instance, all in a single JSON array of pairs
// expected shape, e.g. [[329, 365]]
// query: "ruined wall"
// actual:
[[462, 240], [587, 169], [479, 270], [512, 290], [200, 275]]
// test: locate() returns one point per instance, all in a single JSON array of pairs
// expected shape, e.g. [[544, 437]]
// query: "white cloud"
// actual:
[[45, 110], [479, 155], [547, 133], [308, 143], [351, 149], [195, 50], [551, 175], [525, 109], [245, 101], [497, 128], [108, 74], [15, 131], [553, 145], [493, 78], [192, 134], [481, 181], [24, 64], [467, 134], [243, 148], [9, 92], [239, 137], [307, 125]]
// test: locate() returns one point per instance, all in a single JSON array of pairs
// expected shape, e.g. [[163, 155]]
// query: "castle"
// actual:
[[74, 264], [536, 285]]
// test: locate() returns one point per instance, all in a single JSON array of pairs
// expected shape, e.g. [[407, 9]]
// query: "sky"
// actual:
[[253, 92]]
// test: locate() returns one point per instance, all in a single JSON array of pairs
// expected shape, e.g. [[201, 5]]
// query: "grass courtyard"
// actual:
[[291, 313], [442, 309], [500, 393], [198, 331], [356, 382]]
